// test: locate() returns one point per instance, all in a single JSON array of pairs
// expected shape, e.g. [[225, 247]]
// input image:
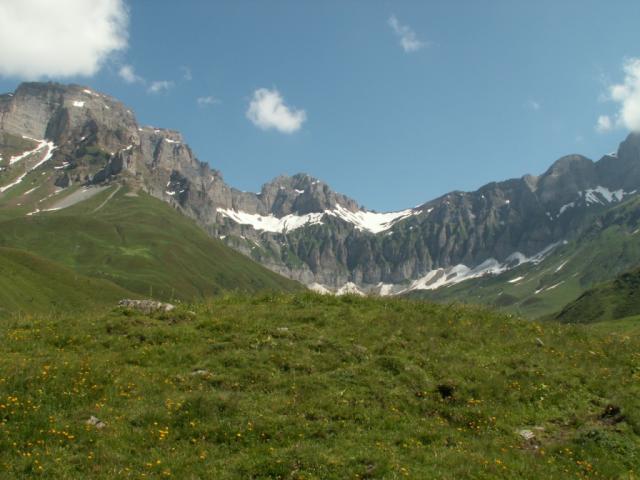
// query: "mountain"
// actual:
[[612, 300], [607, 245], [298, 226], [65, 198]]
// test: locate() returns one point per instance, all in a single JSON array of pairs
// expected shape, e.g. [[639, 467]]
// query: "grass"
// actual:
[[613, 300], [140, 244], [29, 283], [306, 386]]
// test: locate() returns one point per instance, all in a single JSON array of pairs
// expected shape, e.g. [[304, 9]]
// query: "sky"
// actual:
[[392, 103]]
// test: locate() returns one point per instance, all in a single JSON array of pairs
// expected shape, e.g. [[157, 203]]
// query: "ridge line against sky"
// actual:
[[387, 103]]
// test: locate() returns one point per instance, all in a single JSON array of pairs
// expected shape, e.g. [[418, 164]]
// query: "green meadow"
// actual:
[[283, 386]]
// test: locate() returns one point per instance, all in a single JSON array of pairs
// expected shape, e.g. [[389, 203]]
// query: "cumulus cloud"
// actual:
[[408, 39], [160, 86], [207, 101], [61, 38], [267, 110], [128, 74], [627, 96], [604, 124]]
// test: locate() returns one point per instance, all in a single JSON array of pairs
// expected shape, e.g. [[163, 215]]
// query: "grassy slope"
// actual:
[[608, 249], [316, 387], [29, 283], [141, 244], [613, 300]]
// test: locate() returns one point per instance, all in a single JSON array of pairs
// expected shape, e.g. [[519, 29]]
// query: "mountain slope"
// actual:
[[608, 247], [138, 242], [29, 283], [613, 300]]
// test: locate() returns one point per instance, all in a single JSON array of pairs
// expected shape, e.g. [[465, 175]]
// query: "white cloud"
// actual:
[[160, 86], [186, 73], [207, 101], [408, 38], [604, 124], [267, 110], [128, 74], [533, 105], [61, 38], [627, 96]]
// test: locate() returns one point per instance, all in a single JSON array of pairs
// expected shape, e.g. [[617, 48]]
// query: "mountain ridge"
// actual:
[[297, 225]]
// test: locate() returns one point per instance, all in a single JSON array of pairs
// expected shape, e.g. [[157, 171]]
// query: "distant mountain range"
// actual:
[[299, 227]]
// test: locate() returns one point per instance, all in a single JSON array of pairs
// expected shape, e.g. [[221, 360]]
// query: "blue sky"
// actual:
[[488, 90]]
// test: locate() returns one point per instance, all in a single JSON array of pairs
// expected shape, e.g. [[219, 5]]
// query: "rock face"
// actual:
[[297, 225]]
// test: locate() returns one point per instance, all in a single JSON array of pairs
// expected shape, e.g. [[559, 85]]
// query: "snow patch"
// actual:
[[441, 277], [556, 285], [516, 280], [386, 289], [545, 289], [272, 223], [371, 221], [564, 208], [47, 156], [41, 145], [598, 194], [349, 288], [362, 220], [78, 103], [318, 288]]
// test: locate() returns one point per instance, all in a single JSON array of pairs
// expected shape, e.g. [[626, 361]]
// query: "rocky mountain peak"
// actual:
[[565, 178], [630, 147], [301, 194], [67, 113], [622, 170]]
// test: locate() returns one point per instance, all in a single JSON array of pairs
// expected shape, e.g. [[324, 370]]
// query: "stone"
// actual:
[[96, 422], [146, 306], [526, 434]]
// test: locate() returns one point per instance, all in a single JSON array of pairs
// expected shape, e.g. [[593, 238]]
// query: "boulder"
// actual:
[[145, 306]]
